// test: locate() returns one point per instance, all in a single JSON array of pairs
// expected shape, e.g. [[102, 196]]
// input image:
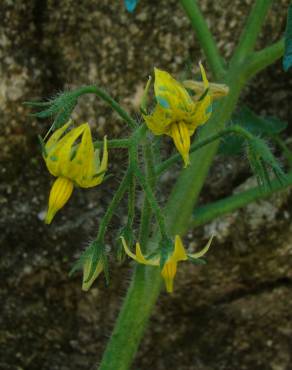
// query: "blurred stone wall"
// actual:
[[234, 313]]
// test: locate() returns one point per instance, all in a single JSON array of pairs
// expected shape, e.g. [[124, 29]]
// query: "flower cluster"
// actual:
[[71, 157]]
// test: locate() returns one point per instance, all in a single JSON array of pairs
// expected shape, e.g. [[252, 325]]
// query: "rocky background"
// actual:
[[234, 313]]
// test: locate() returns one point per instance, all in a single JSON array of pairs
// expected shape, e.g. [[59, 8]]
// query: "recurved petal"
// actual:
[[104, 161], [97, 170], [138, 257], [82, 163], [203, 251], [204, 76], [179, 253], [127, 250], [56, 135], [201, 113], [143, 260]]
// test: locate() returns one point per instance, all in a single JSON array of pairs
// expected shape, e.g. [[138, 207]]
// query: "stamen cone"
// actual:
[[59, 196]]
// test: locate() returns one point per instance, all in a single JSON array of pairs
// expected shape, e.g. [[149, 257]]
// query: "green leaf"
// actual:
[[256, 125], [60, 108], [287, 60], [231, 145]]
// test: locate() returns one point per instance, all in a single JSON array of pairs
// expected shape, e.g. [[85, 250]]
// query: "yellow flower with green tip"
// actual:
[[86, 284], [72, 159], [168, 271], [177, 114]]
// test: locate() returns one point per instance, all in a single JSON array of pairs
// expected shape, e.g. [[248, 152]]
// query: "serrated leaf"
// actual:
[[287, 60], [256, 125]]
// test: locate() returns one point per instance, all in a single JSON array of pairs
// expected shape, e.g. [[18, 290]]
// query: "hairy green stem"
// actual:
[[131, 200], [92, 89], [113, 144], [144, 182], [205, 37], [146, 214], [251, 31], [113, 205], [145, 286], [176, 157], [207, 213], [263, 58]]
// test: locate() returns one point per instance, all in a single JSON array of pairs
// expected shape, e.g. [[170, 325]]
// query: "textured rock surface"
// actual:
[[234, 313]]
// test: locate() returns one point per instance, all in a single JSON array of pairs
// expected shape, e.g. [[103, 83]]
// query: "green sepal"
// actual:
[[127, 233], [197, 261], [37, 103], [43, 146], [105, 264], [95, 251], [262, 161], [166, 247], [60, 108], [99, 174], [256, 125], [144, 101], [204, 94]]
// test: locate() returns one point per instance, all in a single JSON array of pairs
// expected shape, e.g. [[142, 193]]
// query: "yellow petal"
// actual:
[[139, 256], [86, 271], [57, 134], [181, 137], [127, 250], [179, 253], [204, 76], [59, 155], [203, 251], [91, 166], [168, 273], [159, 121], [169, 93], [59, 196], [141, 259]]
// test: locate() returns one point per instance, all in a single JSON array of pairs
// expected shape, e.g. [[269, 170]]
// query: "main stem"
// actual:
[[145, 286], [205, 37]]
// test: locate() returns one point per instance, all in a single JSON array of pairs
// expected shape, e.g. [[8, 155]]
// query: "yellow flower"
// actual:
[[177, 114], [168, 271], [72, 162]]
